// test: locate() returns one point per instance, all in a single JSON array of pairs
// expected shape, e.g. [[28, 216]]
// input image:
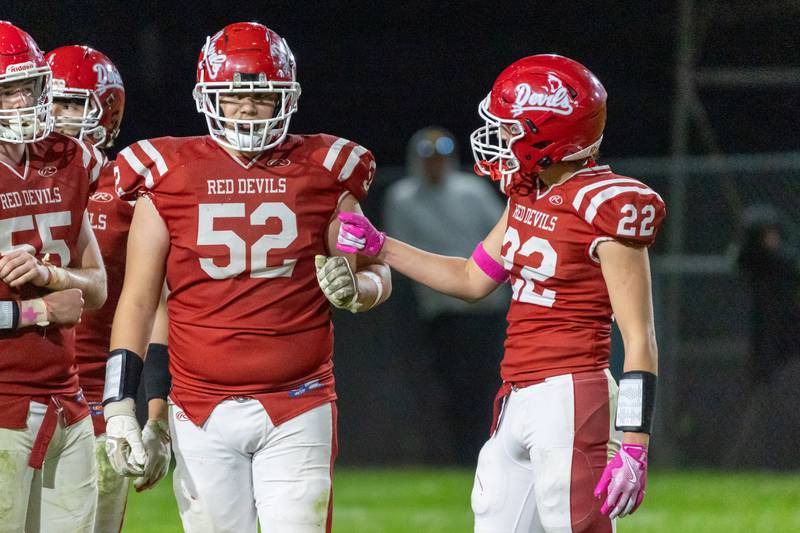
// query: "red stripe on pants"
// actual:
[[334, 453], [590, 451]]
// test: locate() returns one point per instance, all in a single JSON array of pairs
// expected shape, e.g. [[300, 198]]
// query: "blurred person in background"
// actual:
[[771, 269], [437, 207], [773, 272], [88, 104]]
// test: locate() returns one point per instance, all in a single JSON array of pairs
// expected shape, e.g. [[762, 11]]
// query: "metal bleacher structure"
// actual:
[[701, 306]]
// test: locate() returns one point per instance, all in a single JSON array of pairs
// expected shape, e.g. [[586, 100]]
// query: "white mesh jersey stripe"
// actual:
[[352, 161], [155, 155], [333, 153], [576, 203], [137, 166]]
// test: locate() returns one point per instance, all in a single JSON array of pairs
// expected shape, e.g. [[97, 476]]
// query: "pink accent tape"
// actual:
[[488, 265]]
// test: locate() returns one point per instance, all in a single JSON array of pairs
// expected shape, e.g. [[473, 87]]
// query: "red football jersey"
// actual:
[[559, 320], [110, 218], [41, 210], [246, 316]]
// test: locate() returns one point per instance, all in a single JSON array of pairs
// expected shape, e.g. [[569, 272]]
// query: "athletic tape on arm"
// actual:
[[488, 265]]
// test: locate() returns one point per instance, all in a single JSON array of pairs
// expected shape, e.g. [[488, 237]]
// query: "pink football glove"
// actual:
[[623, 480], [357, 235]]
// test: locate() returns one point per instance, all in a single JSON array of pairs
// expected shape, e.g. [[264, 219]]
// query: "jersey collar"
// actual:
[[589, 171], [12, 168]]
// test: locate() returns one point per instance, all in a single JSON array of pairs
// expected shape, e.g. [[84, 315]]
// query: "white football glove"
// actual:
[[124, 438], [155, 437], [338, 282]]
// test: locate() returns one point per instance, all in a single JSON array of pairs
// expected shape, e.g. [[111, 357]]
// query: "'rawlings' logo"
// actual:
[[20, 67], [102, 197], [47, 171], [107, 78], [556, 99]]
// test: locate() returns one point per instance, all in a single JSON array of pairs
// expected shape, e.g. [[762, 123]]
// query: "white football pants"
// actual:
[[112, 492], [538, 471], [240, 469], [59, 498]]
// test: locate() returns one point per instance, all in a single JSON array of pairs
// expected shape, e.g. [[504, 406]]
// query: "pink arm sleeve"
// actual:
[[488, 265]]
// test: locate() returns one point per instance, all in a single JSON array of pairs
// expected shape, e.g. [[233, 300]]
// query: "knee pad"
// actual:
[[12, 467], [489, 487], [301, 506]]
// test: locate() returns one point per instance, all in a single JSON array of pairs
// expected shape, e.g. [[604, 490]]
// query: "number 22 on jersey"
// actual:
[[237, 248], [524, 287]]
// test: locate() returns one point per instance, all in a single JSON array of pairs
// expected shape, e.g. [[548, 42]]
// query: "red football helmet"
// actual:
[[88, 76], [542, 109], [246, 58], [21, 59]]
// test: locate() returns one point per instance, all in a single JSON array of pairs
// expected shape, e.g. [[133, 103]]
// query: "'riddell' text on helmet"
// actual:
[[88, 76], [23, 71], [542, 109], [246, 58]]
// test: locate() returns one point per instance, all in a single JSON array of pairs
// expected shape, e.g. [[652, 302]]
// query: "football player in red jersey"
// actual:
[[236, 221], [573, 243], [49, 261], [88, 103]]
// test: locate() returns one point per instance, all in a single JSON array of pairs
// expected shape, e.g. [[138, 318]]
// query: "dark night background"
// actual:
[[377, 71]]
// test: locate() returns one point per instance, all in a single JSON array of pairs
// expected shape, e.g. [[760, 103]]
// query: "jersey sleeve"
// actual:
[[623, 209], [351, 165], [138, 170], [93, 161]]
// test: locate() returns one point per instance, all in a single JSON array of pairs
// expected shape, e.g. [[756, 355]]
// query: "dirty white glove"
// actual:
[[124, 438], [338, 282], [155, 437]]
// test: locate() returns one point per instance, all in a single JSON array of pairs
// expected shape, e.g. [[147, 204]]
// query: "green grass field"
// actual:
[[437, 501]]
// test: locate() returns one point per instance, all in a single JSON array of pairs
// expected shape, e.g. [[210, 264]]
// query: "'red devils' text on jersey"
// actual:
[[246, 316], [559, 321], [110, 218], [42, 206]]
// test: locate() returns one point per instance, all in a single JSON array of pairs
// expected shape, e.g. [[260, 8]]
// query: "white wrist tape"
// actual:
[[378, 283]]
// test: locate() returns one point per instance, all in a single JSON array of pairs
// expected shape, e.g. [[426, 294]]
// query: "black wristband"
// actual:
[[123, 372], [636, 402], [157, 380]]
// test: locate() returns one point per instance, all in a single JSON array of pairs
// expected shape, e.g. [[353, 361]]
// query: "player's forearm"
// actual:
[[91, 282], [641, 354], [133, 323], [448, 275], [374, 286], [641, 351]]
